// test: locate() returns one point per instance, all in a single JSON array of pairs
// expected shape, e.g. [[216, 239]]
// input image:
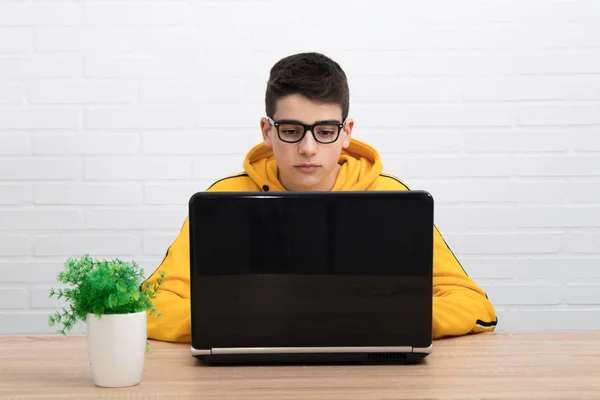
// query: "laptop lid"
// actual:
[[311, 271]]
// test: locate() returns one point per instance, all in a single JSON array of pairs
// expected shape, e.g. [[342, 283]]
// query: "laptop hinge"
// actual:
[[307, 350]]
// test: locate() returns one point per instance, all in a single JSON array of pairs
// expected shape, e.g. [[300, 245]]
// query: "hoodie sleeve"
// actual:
[[173, 299], [459, 305]]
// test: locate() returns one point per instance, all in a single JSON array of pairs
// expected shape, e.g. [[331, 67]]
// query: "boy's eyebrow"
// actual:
[[328, 121], [323, 121]]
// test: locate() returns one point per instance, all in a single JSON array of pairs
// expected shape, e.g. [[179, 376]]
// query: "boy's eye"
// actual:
[[290, 129]]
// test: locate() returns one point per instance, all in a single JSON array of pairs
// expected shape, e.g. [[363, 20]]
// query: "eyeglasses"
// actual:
[[294, 131]]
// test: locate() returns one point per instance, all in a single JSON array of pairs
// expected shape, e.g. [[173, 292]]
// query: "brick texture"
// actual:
[[113, 113]]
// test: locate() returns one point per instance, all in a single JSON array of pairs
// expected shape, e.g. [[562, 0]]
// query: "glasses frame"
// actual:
[[276, 124]]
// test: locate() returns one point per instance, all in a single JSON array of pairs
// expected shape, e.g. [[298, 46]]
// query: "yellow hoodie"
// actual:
[[460, 307]]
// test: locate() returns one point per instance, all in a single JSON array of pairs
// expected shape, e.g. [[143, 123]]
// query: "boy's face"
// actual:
[[307, 164]]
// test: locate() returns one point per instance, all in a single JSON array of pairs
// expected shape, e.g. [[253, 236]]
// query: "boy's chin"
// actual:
[[307, 184]]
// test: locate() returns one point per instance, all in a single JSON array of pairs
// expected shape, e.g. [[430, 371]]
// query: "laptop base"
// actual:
[[383, 358]]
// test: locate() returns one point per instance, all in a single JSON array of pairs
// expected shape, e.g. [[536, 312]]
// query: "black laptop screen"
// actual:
[[356, 234], [310, 269]]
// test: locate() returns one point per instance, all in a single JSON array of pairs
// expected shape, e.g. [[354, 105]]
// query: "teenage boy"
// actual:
[[307, 145]]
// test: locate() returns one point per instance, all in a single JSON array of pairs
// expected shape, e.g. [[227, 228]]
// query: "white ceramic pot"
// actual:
[[117, 348]]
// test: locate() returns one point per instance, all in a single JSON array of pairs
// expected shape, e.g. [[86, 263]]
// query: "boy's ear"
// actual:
[[347, 132], [265, 128]]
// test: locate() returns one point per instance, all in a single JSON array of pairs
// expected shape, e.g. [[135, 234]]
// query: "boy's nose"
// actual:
[[308, 145]]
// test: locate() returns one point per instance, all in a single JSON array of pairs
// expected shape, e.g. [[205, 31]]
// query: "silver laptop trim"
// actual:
[[427, 349], [314, 350]]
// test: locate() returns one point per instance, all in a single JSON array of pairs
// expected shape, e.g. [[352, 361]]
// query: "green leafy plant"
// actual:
[[102, 287]]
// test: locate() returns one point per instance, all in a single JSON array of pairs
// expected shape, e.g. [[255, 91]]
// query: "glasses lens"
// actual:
[[326, 133], [290, 132]]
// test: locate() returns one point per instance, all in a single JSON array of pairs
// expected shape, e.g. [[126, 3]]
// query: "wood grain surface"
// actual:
[[491, 365]]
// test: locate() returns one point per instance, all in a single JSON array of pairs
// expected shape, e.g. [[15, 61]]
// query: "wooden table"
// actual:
[[490, 365]]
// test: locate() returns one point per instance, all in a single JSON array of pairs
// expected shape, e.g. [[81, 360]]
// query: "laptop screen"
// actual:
[[310, 269]]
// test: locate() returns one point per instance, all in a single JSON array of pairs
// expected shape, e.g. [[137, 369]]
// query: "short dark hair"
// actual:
[[312, 75]]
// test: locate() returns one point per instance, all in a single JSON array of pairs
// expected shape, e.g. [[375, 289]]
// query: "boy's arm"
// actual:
[[173, 299], [459, 305]]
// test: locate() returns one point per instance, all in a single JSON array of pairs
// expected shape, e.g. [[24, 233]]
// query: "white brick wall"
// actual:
[[113, 113]]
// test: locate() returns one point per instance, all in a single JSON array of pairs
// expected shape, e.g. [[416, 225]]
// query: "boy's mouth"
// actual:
[[306, 167]]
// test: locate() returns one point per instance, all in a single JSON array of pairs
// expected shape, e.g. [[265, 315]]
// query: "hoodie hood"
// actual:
[[360, 167]]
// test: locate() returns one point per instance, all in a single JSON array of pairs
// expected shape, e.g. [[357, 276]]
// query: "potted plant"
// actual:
[[113, 299]]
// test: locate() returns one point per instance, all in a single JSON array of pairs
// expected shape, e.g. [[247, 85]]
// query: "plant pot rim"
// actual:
[[118, 314]]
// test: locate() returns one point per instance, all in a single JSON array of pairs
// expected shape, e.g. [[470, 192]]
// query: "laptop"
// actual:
[[311, 277]]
